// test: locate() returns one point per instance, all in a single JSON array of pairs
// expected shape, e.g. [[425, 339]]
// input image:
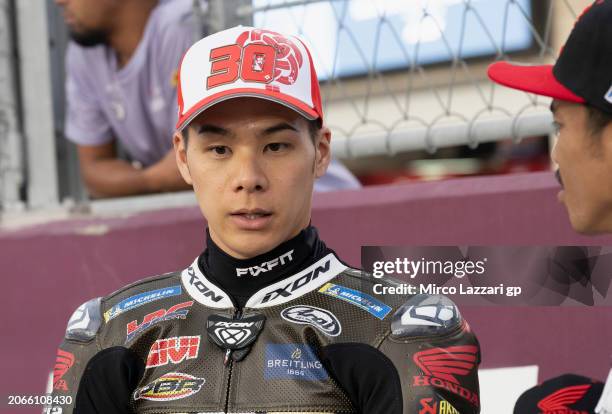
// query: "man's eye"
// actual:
[[219, 150], [277, 146]]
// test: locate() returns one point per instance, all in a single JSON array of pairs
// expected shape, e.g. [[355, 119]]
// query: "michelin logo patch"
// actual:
[[293, 361], [141, 299], [357, 298]]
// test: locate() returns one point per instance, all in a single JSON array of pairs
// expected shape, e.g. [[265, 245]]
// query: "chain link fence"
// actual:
[[397, 75], [10, 149], [411, 75]]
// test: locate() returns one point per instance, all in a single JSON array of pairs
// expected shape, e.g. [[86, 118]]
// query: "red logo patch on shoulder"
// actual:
[[63, 361], [442, 368]]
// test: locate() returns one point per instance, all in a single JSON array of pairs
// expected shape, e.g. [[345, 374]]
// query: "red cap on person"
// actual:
[[582, 73], [247, 62]]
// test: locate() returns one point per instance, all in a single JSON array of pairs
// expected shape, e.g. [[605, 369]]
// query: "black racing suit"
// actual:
[[292, 331]]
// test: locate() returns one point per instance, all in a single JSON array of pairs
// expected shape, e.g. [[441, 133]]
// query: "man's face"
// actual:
[[89, 21], [252, 164], [585, 169]]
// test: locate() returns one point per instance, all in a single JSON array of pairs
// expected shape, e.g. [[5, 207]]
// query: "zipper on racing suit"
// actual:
[[230, 364]]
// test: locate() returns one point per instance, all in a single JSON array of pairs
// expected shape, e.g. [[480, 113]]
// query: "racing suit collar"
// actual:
[[204, 291], [219, 280], [244, 276]]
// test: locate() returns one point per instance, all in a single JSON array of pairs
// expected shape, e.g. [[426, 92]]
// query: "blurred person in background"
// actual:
[[580, 84], [121, 88]]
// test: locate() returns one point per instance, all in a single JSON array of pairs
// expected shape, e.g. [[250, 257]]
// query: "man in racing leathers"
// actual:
[[267, 319]]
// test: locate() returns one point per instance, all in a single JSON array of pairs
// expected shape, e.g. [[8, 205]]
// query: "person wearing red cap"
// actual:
[[580, 83], [267, 319], [565, 394]]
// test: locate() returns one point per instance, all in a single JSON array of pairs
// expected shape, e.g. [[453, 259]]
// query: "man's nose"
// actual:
[[249, 174]]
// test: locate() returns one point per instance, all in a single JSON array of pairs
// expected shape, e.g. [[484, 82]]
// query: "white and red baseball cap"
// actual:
[[247, 62]]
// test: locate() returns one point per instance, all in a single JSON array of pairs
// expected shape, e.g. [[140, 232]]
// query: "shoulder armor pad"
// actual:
[[85, 321], [360, 274], [425, 315]]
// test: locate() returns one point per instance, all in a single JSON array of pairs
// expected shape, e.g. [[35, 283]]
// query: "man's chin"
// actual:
[[589, 226], [251, 244], [89, 38]]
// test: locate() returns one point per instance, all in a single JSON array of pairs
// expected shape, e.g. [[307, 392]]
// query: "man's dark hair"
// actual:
[[314, 126], [597, 119]]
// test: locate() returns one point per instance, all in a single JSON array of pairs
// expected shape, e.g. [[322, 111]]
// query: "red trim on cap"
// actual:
[[270, 95], [179, 91], [315, 90], [535, 79]]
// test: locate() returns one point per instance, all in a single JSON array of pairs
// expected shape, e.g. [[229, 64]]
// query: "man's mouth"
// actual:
[[252, 214], [251, 219]]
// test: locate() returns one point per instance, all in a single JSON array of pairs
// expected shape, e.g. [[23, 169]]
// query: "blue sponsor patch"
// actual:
[[357, 298], [141, 299], [293, 361]]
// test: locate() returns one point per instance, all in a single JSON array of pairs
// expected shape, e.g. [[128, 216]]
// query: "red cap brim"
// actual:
[[278, 97], [535, 79]]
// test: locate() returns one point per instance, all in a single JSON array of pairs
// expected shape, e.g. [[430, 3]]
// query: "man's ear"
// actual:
[[322, 151], [180, 152]]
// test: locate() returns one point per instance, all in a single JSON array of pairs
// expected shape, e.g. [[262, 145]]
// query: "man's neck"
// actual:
[[129, 28], [240, 278]]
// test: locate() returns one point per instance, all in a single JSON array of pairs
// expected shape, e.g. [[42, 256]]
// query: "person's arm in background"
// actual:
[[105, 175]]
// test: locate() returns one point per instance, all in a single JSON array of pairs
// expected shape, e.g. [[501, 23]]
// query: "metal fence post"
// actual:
[[11, 152], [37, 119]]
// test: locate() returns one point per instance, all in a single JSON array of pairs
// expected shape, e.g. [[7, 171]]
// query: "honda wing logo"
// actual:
[[63, 362], [322, 319], [446, 363], [559, 401], [442, 367]]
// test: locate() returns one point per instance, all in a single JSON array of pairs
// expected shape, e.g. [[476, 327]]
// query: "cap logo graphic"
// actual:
[[559, 400], [446, 363], [288, 59], [259, 56]]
